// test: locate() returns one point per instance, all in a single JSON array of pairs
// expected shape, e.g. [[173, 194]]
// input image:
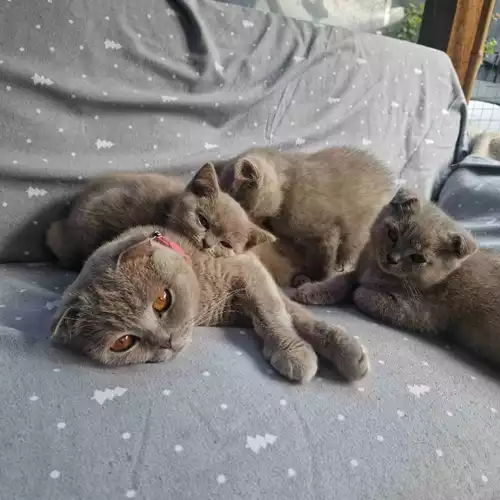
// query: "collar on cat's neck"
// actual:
[[163, 240]]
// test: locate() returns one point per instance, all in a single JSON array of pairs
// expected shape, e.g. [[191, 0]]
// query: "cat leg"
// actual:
[[333, 343], [412, 314], [350, 247], [327, 292], [329, 251], [262, 300]]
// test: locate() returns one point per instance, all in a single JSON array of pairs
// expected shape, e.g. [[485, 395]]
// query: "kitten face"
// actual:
[[252, 181], [419, 244], [140, 307], [215, 222]]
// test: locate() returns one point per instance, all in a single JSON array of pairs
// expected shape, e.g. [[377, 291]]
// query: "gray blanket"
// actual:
[[139, 86], [88, 87]]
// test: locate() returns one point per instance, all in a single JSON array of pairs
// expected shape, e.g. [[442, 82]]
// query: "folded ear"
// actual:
[[204, 184], [257, 235], [60, 323], [406, 200], [142, 249], [462, 244], [246, 170]]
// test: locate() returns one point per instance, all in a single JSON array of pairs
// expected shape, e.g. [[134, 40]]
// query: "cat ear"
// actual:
[[462, 244], [257, 235], [59, 319], [406, 201], [204, 184], [246, 171], [142, 249]]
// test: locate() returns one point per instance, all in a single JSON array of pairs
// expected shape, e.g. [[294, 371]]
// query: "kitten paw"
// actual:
[[348, 356], [312, 294], [299, 280], [295, 360]]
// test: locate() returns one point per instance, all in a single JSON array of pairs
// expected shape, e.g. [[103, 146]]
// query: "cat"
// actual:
[[116, 202], [423, 272], [323, 203], [139, 296]]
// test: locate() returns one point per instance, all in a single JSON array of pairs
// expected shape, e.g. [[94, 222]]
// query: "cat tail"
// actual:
[[56, 238]]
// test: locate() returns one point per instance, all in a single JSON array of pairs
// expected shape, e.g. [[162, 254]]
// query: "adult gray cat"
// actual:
[[211, 219], [321, 204], [423, 272], [139, 296]]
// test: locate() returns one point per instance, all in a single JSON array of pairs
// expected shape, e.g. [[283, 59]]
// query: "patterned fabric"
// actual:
[[359, 15], [217, 423], [87, 87], [149, 86]]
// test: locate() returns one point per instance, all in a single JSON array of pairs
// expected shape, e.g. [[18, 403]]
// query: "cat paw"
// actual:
[[295, 360], [349, 356], [299, 280], [372, 302], [310, 293]]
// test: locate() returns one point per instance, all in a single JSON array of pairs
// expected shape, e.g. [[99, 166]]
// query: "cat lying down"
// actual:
[[421, 271], [139, 296]]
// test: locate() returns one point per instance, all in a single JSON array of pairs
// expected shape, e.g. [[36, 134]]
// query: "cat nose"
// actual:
[[393, 258], [208, 242]]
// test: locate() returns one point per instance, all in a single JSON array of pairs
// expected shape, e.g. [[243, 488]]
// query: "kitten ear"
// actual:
[[246, 170], [257, 235], [142, 249], [462, 244], [406, 201], [204, 184]]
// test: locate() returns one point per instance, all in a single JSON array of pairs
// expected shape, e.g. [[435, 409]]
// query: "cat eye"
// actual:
[[162, 302], [418, 258], [124, 343], [225, 244], [203, 221], [393, 234]]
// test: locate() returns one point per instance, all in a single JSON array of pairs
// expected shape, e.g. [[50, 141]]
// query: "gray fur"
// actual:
[[320, 204], [454, 293], [114, 203], [114, 292]]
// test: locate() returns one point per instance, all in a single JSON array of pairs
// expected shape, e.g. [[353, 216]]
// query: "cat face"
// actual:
[[419, 244], [212, 220], [135, 306], [252, 181]]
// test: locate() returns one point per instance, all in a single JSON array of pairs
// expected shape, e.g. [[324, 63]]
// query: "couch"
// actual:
[[88, 87]]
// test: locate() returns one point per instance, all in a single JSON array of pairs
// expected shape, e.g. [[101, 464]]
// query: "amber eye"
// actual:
[[162, 302], [124, 343], [226, 244], [418, 258], [203, 221]]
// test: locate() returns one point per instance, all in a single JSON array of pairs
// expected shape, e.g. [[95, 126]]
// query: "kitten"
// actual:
[[211, 219], [139, 296], [323, 203], [423, 272]]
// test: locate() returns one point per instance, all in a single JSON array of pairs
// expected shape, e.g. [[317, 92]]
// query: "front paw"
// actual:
[[294, 359], [372, 302], [348, 356], [310, 293]]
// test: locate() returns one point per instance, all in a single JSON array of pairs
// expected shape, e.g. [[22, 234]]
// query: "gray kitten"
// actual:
[[423, 272], [139, 296], [211, 219], [321, 204]]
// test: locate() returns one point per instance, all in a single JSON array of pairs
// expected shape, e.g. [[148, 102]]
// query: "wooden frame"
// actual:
[[459, 28]]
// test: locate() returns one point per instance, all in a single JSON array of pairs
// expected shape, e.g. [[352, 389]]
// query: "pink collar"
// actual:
[[157, 236]]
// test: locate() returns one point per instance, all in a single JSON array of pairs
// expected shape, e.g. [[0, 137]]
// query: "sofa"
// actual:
[[90, 87]]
